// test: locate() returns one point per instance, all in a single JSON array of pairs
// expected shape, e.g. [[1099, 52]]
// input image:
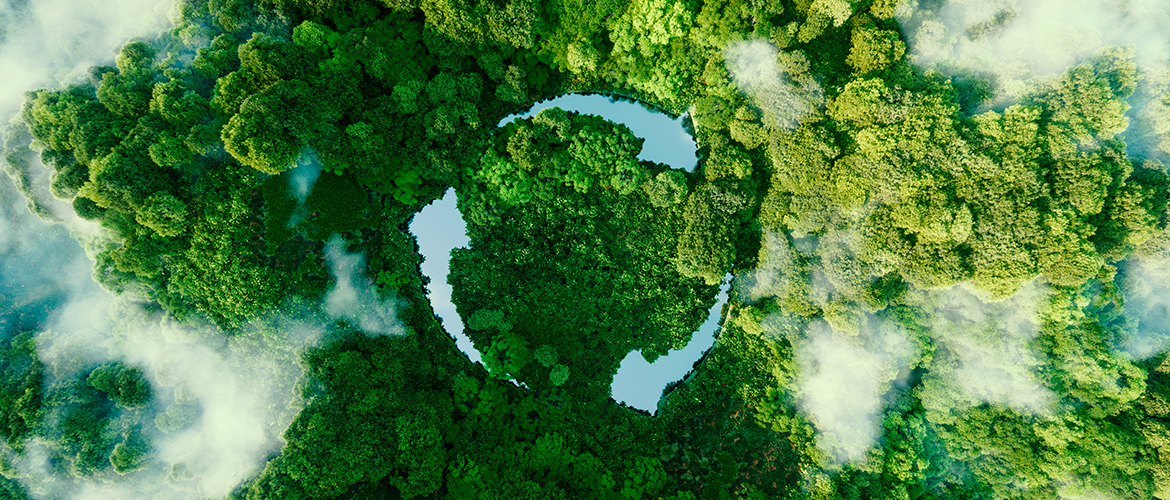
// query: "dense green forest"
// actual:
[[936, 295]]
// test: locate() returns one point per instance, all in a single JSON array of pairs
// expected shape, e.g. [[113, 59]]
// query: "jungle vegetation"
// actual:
[[851, 192]]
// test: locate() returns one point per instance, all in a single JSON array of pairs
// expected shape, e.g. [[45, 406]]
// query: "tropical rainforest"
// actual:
[[935, 294]]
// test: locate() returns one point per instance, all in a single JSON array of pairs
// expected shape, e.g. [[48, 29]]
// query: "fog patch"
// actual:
[[220, 404], [756, 68], [1014, 45], [32, 179], [768, 278], [1146, 287], [39, 262], [1148, 135], [784, 270], [1019, 40], [1067, 494], [985, 353], [240, 392], [842, 380], [243, 391], [354, 297], [300, 184], [54, 42]]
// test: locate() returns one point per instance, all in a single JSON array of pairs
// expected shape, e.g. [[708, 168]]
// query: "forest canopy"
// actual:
[[946, 283]]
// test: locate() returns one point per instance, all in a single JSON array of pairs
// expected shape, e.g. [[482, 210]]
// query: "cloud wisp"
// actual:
[[220, 404], [300, 184], [785, 101], [842, 382], [353, 296], [1017, 44], [1146, 285], [768, 278], [54, 42], [985, 353]]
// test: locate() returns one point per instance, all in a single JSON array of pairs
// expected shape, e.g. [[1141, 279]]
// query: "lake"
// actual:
[[637, 383]]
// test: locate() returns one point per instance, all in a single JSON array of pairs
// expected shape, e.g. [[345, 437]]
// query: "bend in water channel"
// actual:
[[666, 140], [637, 383]]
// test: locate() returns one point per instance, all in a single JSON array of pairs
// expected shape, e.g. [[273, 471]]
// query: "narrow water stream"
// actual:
[[639, 384], [439, 229]]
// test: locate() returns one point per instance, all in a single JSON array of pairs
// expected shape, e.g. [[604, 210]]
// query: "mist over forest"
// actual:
[[945, 224]]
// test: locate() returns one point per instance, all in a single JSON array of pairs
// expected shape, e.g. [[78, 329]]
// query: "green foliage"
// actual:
[[565, 185], [874, 49], [163, 213], [12, 489], [666, 188], [177, 417], [552, 151], [125, 385], [874, 205], [822, 14], [1088, 101], [20, 389], [129, 455], [387, 416], [515, 22]]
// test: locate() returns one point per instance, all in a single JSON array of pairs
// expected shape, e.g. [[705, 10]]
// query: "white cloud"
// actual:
[[986, 354], [756, 70], [1019, 40], [243, 386], [1022, 43], [354, 297], [843, 380], [54, 42], [245, 390], [1146, 285], [300, 185], [768, 278], [242, 390]]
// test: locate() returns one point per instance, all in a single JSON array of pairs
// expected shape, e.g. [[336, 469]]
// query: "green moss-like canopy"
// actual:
[[860, 202]]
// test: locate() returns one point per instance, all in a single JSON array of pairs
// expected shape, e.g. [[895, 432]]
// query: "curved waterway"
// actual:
[[440, 228]]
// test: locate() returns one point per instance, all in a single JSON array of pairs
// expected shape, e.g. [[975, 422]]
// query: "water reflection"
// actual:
[[666, 140], [439, 229], [637, 383]]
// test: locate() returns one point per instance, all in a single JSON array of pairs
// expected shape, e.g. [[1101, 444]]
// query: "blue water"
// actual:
[[439, 229], [666, 141], [639, 384]]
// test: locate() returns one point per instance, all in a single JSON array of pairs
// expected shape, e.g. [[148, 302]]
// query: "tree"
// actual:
[[874, 49], [130, 455], [705, 248], [822, 13], [21, 395], [127, 92], [125, 385], [266, 134], [163, 213]]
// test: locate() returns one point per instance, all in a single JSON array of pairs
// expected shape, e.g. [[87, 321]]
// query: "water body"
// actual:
[[439, 228], [639, 384], [666, 141]]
